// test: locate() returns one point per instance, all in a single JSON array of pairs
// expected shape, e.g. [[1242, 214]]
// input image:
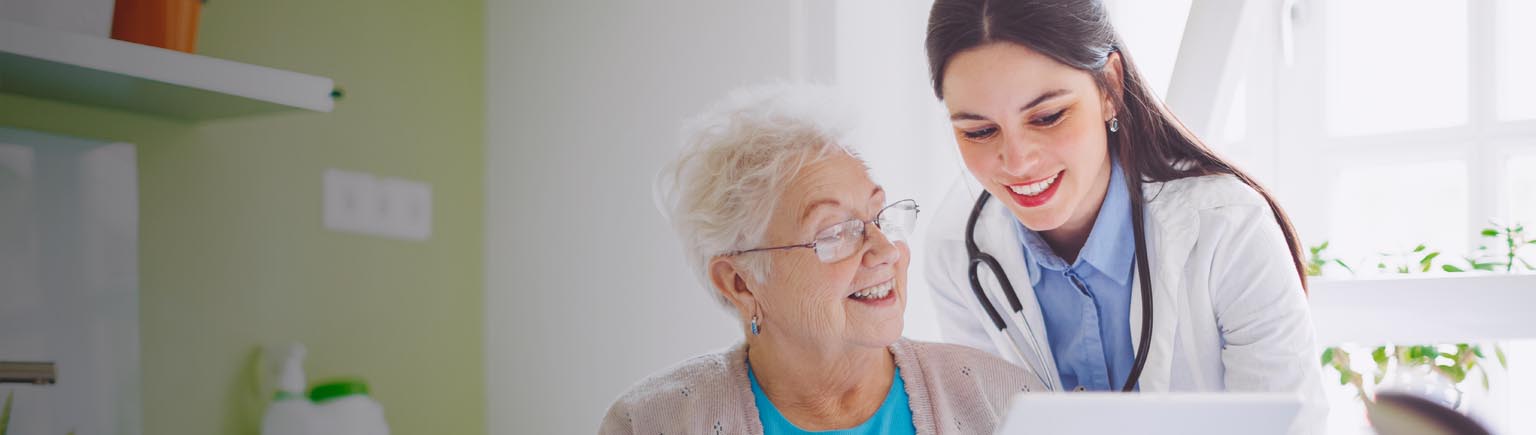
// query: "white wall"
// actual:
[[906, 137], [586, 290]]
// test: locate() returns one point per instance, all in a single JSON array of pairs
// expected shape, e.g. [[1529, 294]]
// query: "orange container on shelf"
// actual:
[[168, 24]]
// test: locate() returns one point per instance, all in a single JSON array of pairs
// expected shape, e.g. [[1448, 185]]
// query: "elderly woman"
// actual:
[[786, 228]]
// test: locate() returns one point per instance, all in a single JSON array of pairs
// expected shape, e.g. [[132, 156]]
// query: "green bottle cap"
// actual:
[[338, 388]]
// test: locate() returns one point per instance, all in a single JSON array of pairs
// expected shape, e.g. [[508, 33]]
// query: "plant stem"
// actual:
[[1509, 238]]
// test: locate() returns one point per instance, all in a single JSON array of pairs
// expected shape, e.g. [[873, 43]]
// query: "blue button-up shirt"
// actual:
[[1087, 305]]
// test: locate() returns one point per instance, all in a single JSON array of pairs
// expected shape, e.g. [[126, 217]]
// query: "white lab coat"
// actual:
[[1228, 310]]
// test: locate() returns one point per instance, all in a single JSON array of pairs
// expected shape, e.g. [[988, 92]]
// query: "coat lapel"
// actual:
[[1171, 232]]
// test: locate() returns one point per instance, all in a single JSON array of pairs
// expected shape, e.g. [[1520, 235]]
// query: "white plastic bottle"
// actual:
[[291, 412], [343, 407]]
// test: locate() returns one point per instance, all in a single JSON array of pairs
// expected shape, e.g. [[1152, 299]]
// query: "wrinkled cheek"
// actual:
[[821, 312], [808, 305]]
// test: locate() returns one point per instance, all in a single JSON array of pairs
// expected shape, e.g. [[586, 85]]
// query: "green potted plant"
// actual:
[[1450, 363]]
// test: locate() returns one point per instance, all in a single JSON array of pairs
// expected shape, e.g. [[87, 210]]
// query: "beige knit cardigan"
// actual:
[[952, 390]]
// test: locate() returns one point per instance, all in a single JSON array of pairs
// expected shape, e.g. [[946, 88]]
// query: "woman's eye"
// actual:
[[980, 133], [1049, 120], [832, 233]]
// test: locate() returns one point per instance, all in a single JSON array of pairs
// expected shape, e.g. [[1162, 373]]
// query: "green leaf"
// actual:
[[1419, 248], [1343, 379], [1345, 266], [1478, 350], [1429, 258], [1484, 266], [1429, 353], [1490, 232], [1327, 356], [1499, 352], [1322, 246], [1454, 372], [5, 413], [1450, 268]]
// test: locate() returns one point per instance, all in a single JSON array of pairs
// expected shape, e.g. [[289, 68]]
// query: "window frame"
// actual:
[[1297, 106]]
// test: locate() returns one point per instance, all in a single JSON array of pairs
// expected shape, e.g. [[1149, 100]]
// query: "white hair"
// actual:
[[738, 159]]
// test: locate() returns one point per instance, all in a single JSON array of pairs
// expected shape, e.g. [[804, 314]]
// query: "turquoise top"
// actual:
[[894, 416]]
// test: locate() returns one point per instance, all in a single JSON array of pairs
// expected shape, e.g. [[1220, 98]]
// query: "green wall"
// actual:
[[233, 253]]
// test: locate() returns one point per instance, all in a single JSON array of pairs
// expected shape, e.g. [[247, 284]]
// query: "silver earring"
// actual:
[[755, 330], [1114, 124]]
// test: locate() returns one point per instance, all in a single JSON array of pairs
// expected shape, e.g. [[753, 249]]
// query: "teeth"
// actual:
[[1036, 188], [876, 292]]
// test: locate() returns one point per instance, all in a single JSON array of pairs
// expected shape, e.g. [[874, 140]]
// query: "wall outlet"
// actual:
[[358, 202]]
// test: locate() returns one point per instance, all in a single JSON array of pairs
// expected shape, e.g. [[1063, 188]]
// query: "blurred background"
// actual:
[[452, 200]]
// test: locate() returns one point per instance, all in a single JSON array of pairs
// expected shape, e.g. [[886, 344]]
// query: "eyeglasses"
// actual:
[[840, 241]]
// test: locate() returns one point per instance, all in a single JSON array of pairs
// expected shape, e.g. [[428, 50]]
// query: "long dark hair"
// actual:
[[1152, 144]]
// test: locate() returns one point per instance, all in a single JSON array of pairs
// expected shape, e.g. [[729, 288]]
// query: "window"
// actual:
[[1516, 67], [1394, 65], [1411, 122], [1400, 122]]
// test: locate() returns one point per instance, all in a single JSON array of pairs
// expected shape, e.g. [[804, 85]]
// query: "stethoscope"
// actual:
[[978, 259]]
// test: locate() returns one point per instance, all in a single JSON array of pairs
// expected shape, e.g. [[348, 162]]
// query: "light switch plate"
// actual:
[[407, 208], [358, 202]]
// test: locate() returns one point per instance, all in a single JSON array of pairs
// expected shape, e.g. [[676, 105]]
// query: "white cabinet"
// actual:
[[69, 282]]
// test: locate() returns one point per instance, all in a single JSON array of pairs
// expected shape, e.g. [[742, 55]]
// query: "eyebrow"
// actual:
[[829, 201], [1036, 102]]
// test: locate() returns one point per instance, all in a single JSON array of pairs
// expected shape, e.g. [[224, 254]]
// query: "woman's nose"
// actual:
[[1016, 154], [881, 249]]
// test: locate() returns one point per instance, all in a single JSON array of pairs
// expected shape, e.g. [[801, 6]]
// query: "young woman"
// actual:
[[1099, 242]]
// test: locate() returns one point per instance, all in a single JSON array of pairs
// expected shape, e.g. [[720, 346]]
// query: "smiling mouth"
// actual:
[[1035, 193], [875, 292], [1035, 188]]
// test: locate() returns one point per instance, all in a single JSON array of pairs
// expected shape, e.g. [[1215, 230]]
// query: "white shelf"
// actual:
[[104, 72], [1446, 308]]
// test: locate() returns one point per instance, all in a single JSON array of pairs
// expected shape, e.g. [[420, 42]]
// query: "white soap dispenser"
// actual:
[[291, 412]]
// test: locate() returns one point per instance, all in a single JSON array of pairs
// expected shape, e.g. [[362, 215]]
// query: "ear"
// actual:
[[1114, 97], [730, 281]]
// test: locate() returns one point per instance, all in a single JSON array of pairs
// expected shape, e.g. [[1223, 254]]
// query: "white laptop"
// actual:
[[1151, 413]]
